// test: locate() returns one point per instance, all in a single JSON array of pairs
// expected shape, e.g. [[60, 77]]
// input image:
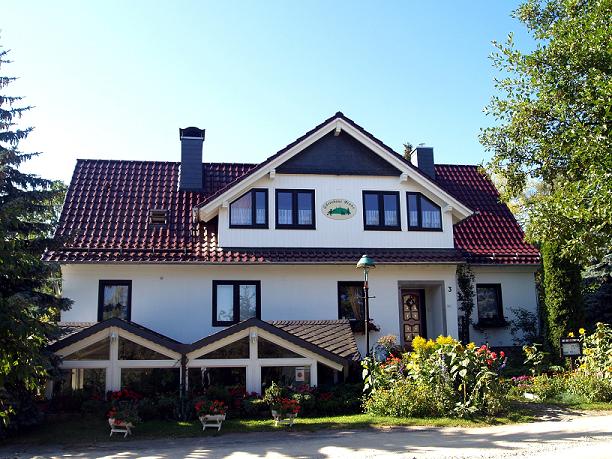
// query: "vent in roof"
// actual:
[[158, 217]]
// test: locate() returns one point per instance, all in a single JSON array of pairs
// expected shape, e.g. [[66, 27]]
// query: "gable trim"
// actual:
[[209, 209]]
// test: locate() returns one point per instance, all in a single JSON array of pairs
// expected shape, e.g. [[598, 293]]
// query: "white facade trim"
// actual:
[[210, 210]]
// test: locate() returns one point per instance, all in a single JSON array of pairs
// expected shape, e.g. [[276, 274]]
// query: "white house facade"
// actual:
[[232, 273]]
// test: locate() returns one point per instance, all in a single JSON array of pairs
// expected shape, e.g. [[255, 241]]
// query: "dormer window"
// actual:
[[158, 217], [423, 214], [295, 209], [381, 210], [250, 210]]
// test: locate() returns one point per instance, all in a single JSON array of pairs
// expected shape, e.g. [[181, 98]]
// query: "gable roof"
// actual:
[[332, 339], [105, 220], [338, 122]]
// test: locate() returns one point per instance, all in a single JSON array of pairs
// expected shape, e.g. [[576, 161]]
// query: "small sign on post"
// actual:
[[570, 348]]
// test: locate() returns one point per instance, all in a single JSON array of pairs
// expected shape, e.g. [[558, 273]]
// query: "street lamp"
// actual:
[[366, 263]]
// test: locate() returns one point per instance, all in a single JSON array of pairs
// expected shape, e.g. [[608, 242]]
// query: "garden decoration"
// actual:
[[211, 413], [121, 421], [285, 411]]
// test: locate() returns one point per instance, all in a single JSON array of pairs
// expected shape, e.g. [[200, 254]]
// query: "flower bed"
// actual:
[[439, 377]]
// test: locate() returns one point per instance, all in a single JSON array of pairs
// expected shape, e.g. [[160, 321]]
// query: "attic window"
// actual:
[[158, 217]]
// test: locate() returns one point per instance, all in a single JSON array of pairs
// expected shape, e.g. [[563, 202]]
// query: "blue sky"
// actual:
[[116, 79]]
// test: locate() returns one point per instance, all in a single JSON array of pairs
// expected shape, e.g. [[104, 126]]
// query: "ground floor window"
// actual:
[[285, 376], [151, 381], [91, 381], [200, 379]]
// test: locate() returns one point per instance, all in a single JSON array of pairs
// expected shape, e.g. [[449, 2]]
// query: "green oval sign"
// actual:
[[339, 209]]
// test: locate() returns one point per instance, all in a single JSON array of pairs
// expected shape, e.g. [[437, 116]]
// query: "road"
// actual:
[[583, 437]]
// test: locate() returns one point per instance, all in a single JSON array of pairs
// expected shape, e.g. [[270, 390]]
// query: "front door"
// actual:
[[413, 315]]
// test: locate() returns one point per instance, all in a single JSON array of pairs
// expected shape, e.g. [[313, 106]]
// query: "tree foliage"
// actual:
[[563, 299], [553, 113], [597, 292], [28, 306]]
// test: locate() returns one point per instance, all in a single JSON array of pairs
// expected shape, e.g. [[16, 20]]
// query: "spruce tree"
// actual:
[[28, 306]]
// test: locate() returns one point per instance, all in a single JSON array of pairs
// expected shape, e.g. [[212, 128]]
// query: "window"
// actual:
[[95, 351], [268, 350], [235, 301], [295, 209], [381, 210], [236, 350], [115, 299], [350, 301], [129, 350], [158, 216], [489, 301], [250, 210], [423, 214]]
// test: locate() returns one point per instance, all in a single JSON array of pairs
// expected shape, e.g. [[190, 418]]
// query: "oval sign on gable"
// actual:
[[339, 209]]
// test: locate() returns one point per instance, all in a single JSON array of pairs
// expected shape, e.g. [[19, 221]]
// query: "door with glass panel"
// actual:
[[412, 315]]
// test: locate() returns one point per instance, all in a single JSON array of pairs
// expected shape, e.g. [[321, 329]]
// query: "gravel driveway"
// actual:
[[582, 437]]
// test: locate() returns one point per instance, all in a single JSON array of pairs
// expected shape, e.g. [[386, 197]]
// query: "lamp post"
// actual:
[[366, 263]]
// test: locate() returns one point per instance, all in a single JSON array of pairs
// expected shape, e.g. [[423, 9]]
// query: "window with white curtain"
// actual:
[[381, 210], [295, 209], [423, 214], [250, 210]]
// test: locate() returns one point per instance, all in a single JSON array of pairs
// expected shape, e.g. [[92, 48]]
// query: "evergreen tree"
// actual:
[[28, 306], [562, 291]]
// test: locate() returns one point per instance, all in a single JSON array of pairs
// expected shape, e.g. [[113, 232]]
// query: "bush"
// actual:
[[446, 378], [406, 398]]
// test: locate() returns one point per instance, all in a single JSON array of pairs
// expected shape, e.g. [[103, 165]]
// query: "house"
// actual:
[[232, 273]]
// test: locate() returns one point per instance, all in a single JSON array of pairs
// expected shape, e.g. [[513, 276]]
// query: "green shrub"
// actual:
[[95, 407], [406, 398], [590, 388], [446, 377], [548, 388]]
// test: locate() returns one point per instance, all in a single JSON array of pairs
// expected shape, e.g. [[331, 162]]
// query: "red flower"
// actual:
[[493, 355], [502, 354]]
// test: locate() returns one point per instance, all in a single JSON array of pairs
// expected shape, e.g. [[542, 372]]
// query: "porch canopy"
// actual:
[[114, 353]]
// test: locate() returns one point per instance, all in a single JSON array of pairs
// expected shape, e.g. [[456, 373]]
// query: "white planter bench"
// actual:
[[120, 427], [286, 419], [212, 420]]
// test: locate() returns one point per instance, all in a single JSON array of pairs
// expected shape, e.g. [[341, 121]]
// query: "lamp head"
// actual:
[[366, 263]]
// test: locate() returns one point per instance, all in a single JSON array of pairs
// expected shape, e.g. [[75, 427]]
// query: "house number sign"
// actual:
[[339, 209]]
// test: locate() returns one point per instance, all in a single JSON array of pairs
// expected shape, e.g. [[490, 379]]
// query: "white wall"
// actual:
[[518, 291], [337, 233], [176, 300]]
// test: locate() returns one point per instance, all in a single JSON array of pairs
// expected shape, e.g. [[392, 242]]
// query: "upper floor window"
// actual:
[[423, 214], [489, 302], [235, 301], [115, 299], [295, 209], [381, 210], [250, 210], [350, 301]]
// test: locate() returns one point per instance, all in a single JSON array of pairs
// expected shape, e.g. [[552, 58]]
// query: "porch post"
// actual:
[[313, 373]]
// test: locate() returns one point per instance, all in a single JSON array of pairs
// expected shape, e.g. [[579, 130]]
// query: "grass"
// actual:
[[89, 430]]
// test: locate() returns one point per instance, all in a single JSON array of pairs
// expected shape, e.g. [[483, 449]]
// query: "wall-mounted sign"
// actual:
[[339, 209], [571, 347], [299, 374]]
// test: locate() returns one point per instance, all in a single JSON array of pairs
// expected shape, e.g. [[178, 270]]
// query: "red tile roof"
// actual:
[[105, 219]]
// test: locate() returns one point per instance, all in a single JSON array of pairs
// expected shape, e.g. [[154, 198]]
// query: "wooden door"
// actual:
[[413, 315]]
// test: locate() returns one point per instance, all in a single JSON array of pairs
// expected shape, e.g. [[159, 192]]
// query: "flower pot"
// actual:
[[283, 418], [118, 426], [212, 420]]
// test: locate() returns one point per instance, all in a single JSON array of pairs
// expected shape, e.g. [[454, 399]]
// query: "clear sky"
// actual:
[[116, 79]]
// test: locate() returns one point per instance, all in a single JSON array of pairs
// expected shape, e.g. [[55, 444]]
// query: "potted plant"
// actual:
[[211, 413], [284, 409]]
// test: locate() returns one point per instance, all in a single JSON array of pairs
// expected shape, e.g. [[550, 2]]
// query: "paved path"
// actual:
[[586, 437]]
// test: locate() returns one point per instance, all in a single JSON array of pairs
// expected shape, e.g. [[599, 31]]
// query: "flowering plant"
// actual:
[[210, 407], [124, 413], [288, 406], [124, 395]]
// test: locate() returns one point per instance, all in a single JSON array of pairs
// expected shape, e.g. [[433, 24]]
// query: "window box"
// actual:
[[381, 211]]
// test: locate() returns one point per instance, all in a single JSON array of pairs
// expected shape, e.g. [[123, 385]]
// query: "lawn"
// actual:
[[93, 430]]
